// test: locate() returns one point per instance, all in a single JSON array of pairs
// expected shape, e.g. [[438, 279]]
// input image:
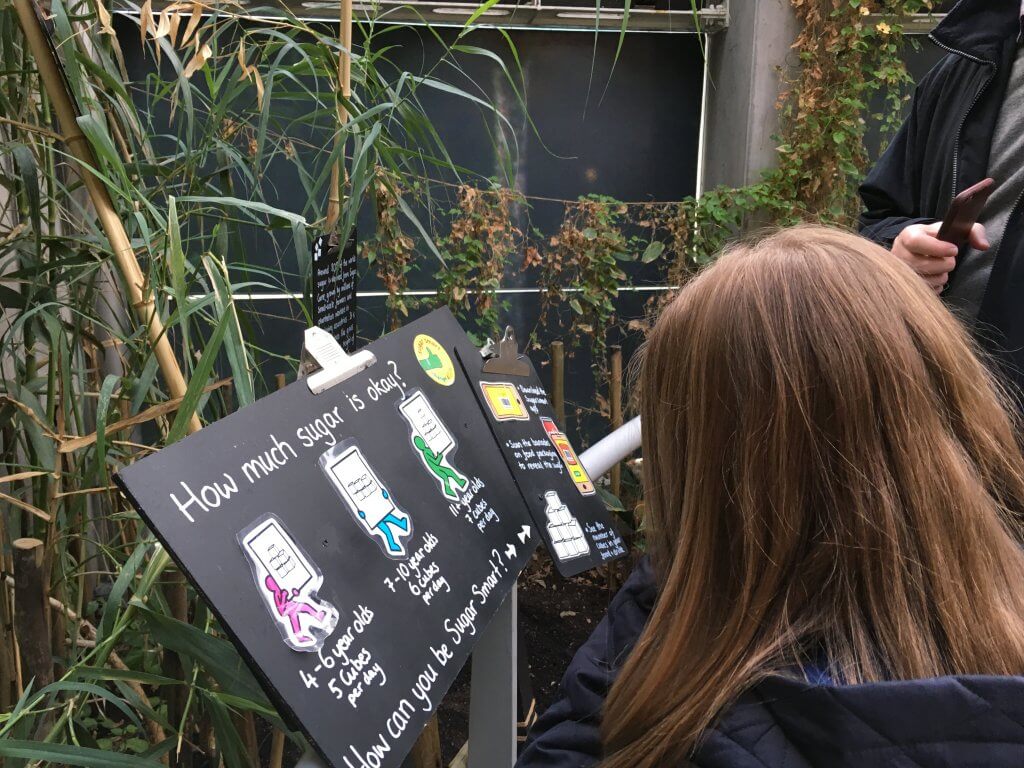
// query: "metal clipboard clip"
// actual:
[[507, 361], [324, 363]]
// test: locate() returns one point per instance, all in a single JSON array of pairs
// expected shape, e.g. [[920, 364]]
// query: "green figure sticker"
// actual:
[[433, 442]]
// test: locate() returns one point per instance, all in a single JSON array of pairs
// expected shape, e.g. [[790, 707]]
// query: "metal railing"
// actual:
[[711, 17]]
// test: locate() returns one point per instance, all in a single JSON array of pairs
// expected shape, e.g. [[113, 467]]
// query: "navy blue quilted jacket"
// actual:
[[967, 722]]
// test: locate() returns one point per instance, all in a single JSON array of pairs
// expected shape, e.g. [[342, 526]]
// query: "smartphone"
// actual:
[[964, 212]]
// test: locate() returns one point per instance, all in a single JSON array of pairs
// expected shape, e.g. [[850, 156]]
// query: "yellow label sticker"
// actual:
[[505, 401], [434, 360]]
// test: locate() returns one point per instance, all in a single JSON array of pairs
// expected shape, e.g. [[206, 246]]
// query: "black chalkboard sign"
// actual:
[[354, 543], [561, 497], [334, 288]]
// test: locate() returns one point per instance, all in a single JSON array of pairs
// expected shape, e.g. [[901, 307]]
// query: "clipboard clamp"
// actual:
[[507, 361], [325, 364]]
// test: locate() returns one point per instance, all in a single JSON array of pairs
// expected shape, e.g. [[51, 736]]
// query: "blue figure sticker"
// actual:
[[371, 504]]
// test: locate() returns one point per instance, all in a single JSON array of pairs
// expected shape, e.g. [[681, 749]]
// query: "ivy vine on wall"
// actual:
[[850, 56]]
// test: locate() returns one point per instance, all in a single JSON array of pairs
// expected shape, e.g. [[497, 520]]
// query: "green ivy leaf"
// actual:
[[652, 252]]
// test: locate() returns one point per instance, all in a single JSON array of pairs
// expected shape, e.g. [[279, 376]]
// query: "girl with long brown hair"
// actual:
[[834, 492]]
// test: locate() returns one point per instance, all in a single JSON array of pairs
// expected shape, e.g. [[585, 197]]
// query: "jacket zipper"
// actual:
[[963, 120]]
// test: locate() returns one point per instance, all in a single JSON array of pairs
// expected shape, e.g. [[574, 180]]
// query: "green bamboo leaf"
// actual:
[[250, 206], [96, 131], [64, 686], [102, 408], [176, 265], [116, 596], [144, 382], [64, 43], [234, 344], [41, 443], [128, 675], [229, 742], [105, 76], [69, 754], [404, 207], [480, 11], [23, 706], [198, 381], [27, 169], [218, 657]]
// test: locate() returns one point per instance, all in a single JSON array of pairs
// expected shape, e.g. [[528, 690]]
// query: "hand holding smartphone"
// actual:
[[964, 211]]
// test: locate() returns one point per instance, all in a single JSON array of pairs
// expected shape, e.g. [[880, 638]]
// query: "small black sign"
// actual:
[[335, 276], [561, 497], [354, 543]]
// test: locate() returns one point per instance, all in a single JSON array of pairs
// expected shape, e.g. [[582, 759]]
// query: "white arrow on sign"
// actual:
[[524, 534], [510, 552]]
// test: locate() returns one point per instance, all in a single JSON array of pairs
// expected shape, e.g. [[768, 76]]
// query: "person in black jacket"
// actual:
[[964, 125], [834, 499]]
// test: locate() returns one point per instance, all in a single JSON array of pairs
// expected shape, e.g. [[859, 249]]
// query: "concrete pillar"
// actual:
[[746, 63]]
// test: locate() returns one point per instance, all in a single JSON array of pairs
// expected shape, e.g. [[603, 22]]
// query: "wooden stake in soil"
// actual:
[[615, 406], [30, 608], [427, 751], [7, 660], [558, 381]]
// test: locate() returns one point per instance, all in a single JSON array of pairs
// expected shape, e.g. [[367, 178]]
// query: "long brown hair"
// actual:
[[830, 475]]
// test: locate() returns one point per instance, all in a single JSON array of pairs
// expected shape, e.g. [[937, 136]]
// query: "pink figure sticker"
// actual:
[[288, 583]]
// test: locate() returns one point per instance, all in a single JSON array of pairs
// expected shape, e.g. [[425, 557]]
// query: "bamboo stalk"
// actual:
[[71, 443], [30, 620], [139, 291], [246, 727], [58, 627], [345, 85], [277, 749]]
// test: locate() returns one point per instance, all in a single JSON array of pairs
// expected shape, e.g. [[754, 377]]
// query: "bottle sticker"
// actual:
[[370, 503], [569, 458], [288, 582]]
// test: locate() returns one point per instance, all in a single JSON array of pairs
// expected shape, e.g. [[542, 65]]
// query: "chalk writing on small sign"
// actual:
[[335, 275], [554, 483], [321, 528]]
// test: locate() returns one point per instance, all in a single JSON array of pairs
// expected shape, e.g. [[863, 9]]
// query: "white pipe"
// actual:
[[611, 449]]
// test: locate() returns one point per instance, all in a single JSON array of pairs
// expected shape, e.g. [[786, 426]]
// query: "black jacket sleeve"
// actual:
[[892, 191], [568, 734]]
